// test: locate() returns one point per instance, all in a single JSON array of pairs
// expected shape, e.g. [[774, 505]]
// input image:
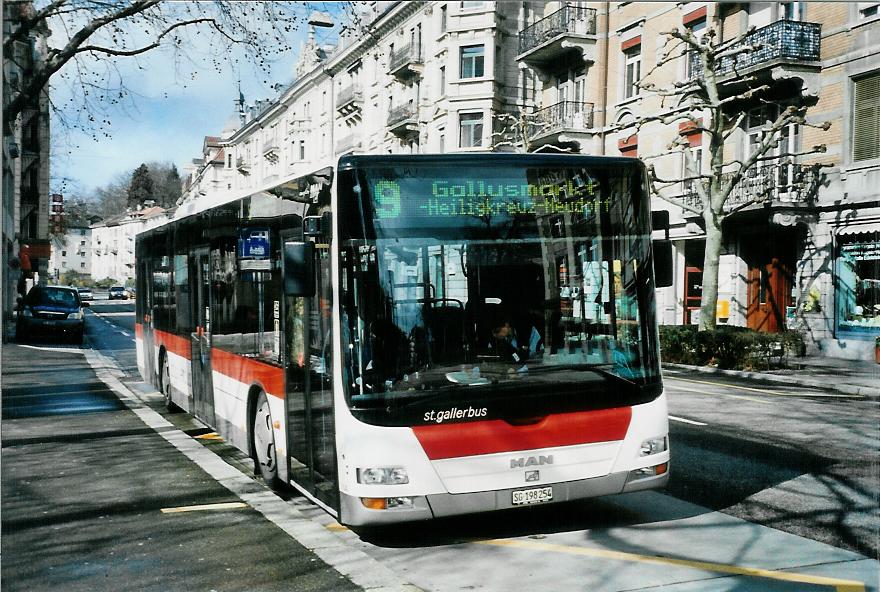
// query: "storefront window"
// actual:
[[858, 283]]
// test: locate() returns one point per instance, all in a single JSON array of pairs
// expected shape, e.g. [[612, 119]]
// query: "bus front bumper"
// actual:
[[354, 513]]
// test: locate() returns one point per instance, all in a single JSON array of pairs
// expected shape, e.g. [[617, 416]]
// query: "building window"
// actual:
[[82, 265], [866, 118], [64, 253], [471, 130], [443, 19], [869, 9], [472, 5], [858, 280], [302, 149], [692, 60], [442, 81], [632, 71], [472, 58]]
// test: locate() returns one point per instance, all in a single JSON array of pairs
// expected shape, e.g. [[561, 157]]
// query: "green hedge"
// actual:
[[729, 347]]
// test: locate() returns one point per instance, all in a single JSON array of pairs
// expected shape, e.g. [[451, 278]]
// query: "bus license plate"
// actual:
[[522, 497]]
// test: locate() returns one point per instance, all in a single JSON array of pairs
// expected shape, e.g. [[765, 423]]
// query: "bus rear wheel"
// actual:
[[265, 455]]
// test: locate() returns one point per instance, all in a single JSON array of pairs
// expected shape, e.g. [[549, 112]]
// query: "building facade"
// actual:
[[25, 161], [71, 252], [570, 76], [112, 243]]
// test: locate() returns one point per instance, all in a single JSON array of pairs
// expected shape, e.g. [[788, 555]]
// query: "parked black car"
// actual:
[[51, 310], [117, 293]]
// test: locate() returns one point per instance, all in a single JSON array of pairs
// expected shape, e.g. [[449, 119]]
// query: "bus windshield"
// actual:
[[502, 291]]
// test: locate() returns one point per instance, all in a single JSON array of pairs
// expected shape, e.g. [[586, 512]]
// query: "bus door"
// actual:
[[311, 431], [200, 338], [144, 296]]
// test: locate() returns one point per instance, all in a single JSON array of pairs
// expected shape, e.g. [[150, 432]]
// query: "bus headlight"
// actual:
[[383, 476], [652, 446]]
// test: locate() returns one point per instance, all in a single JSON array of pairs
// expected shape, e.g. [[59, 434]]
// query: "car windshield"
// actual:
[[548, 300], [52, 297]]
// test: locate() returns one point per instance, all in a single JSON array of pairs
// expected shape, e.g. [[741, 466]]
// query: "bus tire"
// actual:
[[165, 384], [263, 439]]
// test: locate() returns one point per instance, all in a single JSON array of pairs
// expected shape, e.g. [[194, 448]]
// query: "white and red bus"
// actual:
[[414, 336]]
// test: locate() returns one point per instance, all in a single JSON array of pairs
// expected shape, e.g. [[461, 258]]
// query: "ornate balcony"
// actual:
[[406, 62], [569, 29], [784, 49], [779, 186], [348, 143], [350, 100], [243, 166], [270, 150], [403, 120], [565, 124]]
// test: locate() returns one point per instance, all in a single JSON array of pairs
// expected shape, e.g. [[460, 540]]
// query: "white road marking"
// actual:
[[770, 393], [683, 420]]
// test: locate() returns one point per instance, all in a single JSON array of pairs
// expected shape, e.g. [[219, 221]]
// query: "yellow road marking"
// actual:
[[767, 391], [838, 584], [211, 436], [205, 507], [336, 527]]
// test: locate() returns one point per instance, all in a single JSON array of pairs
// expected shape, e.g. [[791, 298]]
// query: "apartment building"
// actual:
[[25, 160], [569, 76], [112, 244], [71, 251]]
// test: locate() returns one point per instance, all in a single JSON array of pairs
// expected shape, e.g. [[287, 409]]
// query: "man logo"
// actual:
[[531, 461]]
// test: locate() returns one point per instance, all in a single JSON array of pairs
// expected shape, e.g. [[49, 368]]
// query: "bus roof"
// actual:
[[352, 161]]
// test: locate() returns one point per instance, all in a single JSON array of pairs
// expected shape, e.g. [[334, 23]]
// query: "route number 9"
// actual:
[[387, 198]]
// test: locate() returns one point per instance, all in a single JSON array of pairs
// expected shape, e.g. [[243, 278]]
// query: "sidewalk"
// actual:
[[850, 377], [100, 492]]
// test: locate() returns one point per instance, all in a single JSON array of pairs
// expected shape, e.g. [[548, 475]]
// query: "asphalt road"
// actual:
[[773, 488]]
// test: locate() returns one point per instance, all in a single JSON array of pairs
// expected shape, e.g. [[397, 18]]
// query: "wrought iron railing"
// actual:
[[562, 115], [400, 114], [778, 182], [568, 19], [408, 54], [782, 40], [349, 94]]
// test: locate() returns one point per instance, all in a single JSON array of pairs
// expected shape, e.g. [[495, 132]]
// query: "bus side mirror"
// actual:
[[299, 269], [662, 263]]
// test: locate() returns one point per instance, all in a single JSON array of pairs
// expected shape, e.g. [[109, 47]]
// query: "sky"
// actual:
[[166, 118]]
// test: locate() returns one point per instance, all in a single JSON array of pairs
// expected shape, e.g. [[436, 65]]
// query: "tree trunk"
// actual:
[[709, 302]]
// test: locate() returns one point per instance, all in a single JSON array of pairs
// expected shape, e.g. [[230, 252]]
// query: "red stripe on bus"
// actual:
[[249, 371], [173, 343], [453, 440]]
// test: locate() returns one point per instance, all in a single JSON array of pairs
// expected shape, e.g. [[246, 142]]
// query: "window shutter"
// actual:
[[866, 118]]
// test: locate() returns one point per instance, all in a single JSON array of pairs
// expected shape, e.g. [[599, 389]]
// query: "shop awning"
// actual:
[[852, 229]]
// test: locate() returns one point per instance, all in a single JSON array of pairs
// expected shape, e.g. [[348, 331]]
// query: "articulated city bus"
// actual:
[[415, 336]]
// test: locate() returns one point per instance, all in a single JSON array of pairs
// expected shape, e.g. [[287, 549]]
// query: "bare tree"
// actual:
[[95, 34], [711, 102]]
